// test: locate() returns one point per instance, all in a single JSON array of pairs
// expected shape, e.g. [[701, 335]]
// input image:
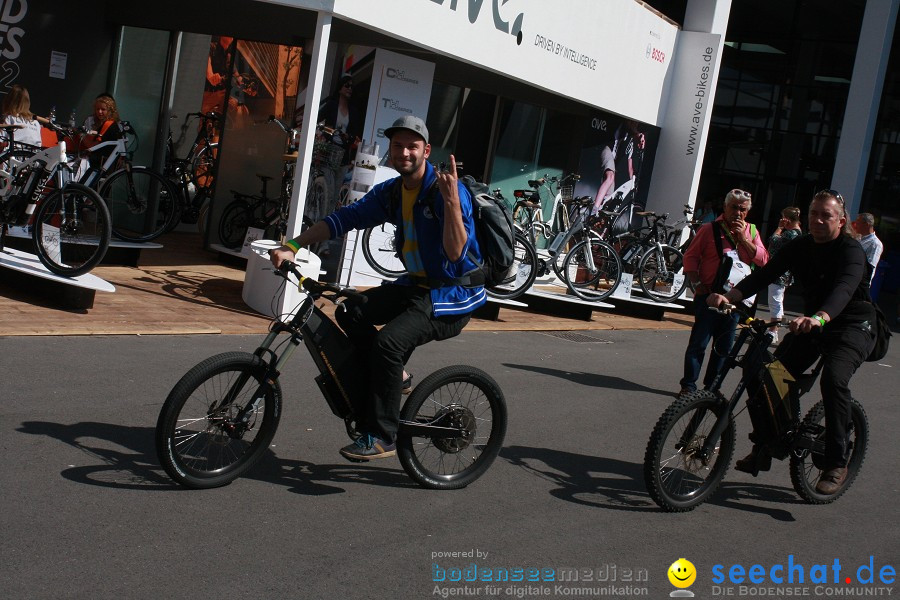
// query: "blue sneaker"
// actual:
[[367, 447]]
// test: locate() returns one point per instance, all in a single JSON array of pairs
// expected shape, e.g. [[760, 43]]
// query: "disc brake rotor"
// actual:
[[458, 417]]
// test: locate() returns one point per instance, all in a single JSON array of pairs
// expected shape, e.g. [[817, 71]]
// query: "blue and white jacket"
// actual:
[[428, 216]]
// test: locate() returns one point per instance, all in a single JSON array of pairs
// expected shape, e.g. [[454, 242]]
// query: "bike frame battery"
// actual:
[[338, 364]]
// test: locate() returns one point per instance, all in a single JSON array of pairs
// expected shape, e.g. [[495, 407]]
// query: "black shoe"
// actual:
[[758, 460]]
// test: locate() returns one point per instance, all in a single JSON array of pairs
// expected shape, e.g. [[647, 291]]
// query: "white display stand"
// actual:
[[73, 292], [261, 284]]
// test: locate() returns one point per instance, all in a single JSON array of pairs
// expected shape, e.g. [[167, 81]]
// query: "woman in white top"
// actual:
[[17, 111]]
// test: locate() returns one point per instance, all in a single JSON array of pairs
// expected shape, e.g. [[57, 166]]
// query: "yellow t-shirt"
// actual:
[[411, 256]]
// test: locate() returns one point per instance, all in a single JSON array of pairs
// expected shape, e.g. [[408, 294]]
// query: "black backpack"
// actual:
[[493, 230], [882, 336]]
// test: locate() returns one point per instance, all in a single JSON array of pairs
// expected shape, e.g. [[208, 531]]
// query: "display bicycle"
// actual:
[[692, 443], [68, 222], [221, 416]]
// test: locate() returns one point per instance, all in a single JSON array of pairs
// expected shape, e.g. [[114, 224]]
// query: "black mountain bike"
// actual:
[[692, 444], [220, 418], [193, 175]]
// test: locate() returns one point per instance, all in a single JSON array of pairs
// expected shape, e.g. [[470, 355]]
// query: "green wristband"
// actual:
[[820, 319]]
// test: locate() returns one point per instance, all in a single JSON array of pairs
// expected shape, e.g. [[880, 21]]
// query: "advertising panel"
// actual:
[[400, 86], [617, 161], [686, 122], [613, 55]]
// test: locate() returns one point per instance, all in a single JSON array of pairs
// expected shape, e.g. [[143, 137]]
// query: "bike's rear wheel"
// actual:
[[142, 204], [658, 273], [592, 270], [457, 396], [236, 219], [379, 251], [525, 268], [676, 477], [807, 467], [71, 230], [199, 439]]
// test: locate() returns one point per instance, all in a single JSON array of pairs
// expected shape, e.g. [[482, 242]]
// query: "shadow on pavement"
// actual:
[[592, 379], [619, 485], [137, 467]]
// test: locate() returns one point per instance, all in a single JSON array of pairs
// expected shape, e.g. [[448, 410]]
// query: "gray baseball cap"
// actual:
[[409, 122]]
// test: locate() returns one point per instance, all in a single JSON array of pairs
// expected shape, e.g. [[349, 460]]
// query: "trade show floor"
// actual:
[[183, 289]]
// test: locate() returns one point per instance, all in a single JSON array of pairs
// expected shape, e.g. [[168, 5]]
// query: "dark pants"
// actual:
[[406, 313], [844, 348], [708, 324]]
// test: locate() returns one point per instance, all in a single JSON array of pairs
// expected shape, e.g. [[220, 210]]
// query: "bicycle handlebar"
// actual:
[[757, 325], [318, 289], [211, 116], [283, 127]]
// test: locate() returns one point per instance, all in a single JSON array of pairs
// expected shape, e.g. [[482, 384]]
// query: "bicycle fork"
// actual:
[[243, 420], [708, 448]]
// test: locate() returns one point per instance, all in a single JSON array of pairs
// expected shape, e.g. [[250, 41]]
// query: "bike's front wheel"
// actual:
[[71, 230], [458, 397], [677, 476], [218, 420], [379, 251], [522, 273], [142, 203], [658, 273], [807, 467], [592, 270]]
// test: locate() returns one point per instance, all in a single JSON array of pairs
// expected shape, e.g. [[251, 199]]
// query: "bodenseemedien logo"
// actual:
[[682, 575]]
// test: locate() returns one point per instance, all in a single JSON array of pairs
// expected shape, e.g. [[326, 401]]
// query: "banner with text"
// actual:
[[400, 86], [611, 55], [685, 125]]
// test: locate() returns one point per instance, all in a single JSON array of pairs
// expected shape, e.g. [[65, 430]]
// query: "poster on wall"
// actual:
[[400, 86], [615, 164], [247, 81]]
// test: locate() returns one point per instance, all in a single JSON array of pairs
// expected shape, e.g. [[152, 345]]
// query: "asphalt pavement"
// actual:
[[89, 513]]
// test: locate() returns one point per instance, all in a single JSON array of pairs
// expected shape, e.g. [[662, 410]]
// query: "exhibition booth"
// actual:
[[515, 90]]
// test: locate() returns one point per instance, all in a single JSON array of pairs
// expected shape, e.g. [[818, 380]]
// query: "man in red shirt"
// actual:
[[701, 264]]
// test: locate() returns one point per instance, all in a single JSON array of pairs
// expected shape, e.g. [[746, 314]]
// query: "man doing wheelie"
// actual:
[[831, 268]]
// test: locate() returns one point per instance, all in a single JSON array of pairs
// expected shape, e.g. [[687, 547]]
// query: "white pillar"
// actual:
[[307, 137], [687, 110], [308, 128], [863, 101]]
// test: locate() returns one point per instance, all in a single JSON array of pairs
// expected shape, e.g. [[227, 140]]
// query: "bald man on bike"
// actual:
[[435, 238], [838, 324]]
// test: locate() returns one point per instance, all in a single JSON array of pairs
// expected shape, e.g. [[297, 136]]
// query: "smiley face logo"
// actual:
[[682, 573]]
